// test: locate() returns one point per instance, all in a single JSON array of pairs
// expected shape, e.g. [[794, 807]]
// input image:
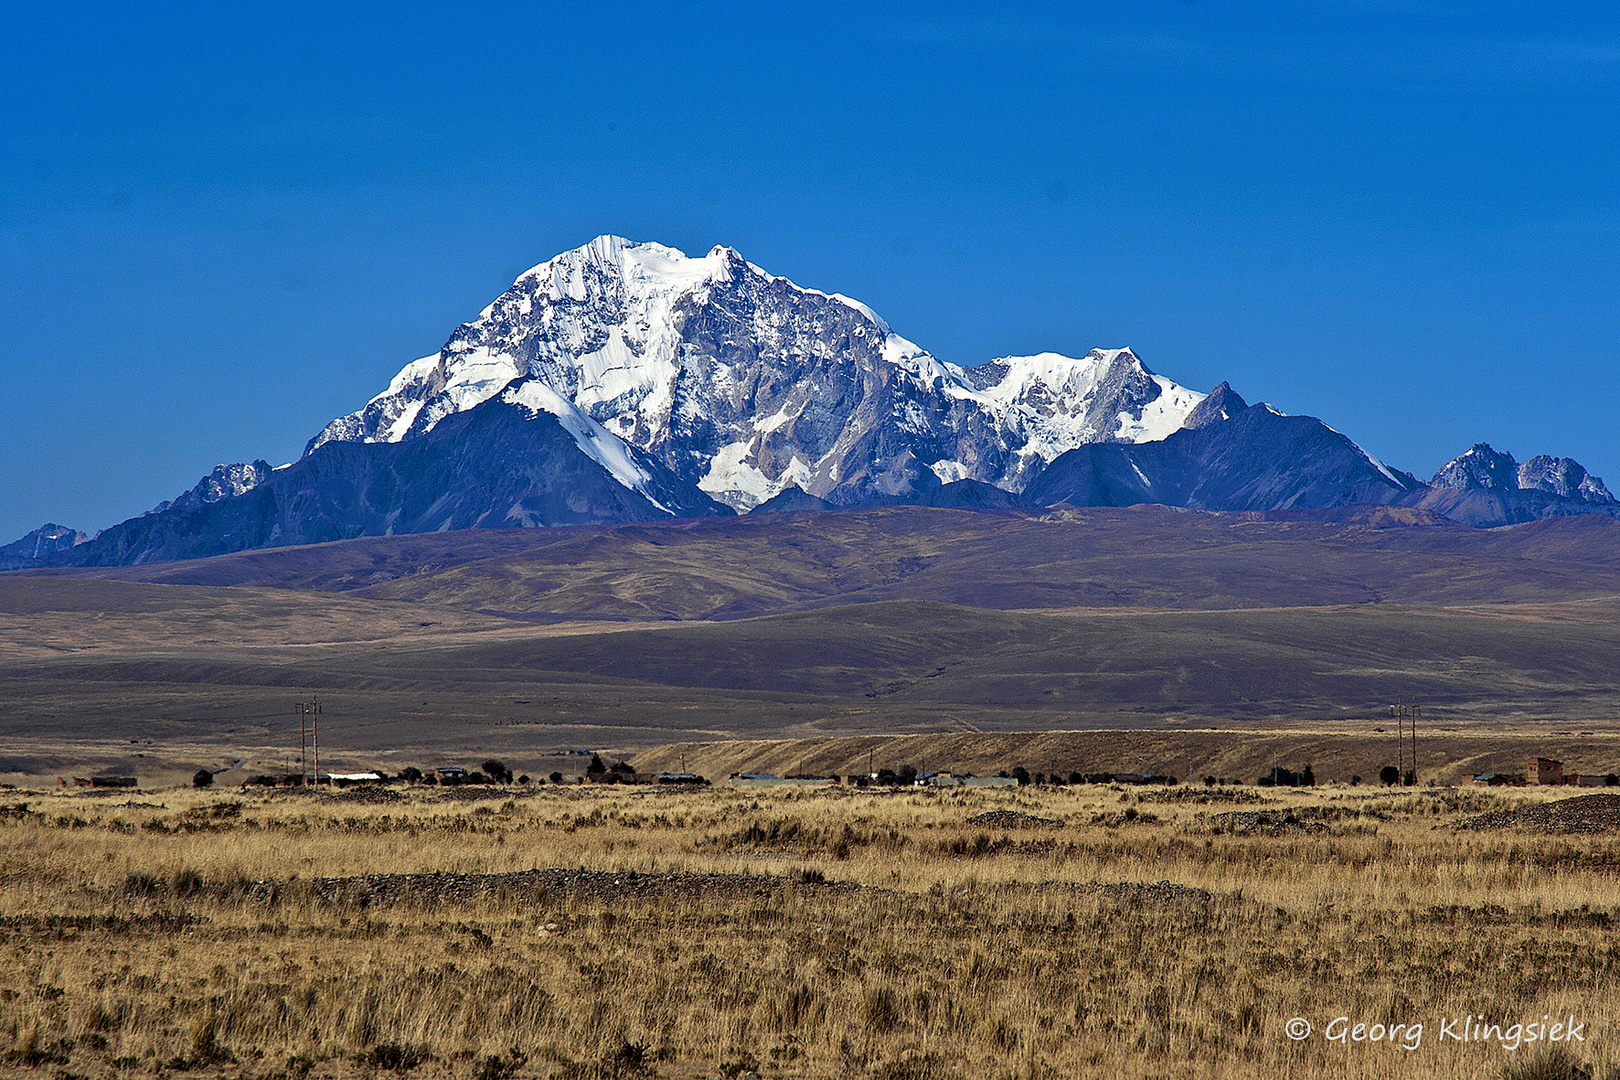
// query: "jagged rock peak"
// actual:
[[1223, 403], [225, 482], [45, 540], [1564, 477], [1484, 469], [1479, 468]]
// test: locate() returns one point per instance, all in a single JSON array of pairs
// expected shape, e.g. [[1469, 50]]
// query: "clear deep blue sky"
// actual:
[[220, 230]]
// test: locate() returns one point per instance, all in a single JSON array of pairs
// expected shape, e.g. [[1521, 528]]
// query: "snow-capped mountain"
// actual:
[[625, 382], [746, 384]]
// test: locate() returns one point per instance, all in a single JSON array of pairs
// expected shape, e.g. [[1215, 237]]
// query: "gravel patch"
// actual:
[[1582, 814], [367, 795], [1265, 822], [372, 890], [1158, 892], [1012, 819]]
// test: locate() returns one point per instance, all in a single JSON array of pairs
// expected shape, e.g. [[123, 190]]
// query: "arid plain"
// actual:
[[1128, 932]]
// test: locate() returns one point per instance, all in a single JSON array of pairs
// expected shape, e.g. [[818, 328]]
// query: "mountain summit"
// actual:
[[745, 384], [625, 382]]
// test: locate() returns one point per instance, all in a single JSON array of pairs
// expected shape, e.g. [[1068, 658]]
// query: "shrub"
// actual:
[[203, 778], [555, 778], [1389, 775], [396, 1058], [497, 1067]]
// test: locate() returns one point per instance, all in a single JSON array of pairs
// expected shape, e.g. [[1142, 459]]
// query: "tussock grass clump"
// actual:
[[634, 932]]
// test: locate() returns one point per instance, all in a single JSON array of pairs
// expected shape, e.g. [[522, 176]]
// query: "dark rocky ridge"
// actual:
[[43, 542], [495, 466], [1257, 460]]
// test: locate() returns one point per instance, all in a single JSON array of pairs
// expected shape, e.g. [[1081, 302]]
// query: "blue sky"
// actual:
[[218, 230]]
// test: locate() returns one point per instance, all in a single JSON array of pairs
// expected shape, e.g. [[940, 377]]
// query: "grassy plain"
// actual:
[[1148, 933], [810, 933]]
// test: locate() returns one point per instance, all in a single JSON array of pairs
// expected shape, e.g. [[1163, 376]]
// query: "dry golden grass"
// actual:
[[183, 930]]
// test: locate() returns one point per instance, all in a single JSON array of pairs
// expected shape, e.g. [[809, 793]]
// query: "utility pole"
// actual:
[[308, 738], [1400, 761], [1405, 714]]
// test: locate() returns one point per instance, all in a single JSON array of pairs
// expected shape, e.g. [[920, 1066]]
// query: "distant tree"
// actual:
[[1355, 780], [907, 774], [524, 779], [1209, 781], [1411, 777], [411, 775], [624, 768], [1076, 778], [1040, 779], [202, 779], [1610, 780], [888, 776], [1020, 774], [476, 777], [1265, 781], [1389, 776], [1308, 778], [596, 768], [497, 771]]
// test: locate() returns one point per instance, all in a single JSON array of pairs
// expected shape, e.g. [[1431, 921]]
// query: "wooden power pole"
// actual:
[[309, 739]]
